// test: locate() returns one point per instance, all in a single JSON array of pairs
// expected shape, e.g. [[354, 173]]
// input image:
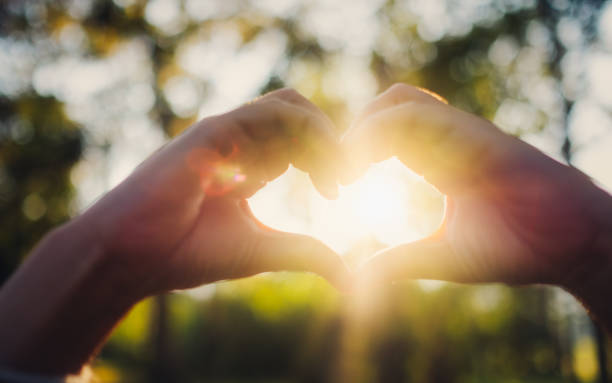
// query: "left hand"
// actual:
[[178, 221], [181, 219]]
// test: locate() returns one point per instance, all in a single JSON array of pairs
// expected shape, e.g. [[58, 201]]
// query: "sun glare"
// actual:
[[378, 201], [385, 204]]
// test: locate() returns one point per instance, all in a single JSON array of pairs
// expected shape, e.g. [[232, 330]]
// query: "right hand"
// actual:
[[513, 214]]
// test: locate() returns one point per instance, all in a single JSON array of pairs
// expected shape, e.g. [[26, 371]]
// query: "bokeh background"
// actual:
[[89, 88]]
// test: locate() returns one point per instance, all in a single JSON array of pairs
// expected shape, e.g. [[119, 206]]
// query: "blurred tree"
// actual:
[[38, 147], [80, 76]]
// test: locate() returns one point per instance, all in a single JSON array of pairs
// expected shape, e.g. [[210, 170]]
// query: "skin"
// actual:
[[189, 230], [181, 220], [513, 214], [178, 221]]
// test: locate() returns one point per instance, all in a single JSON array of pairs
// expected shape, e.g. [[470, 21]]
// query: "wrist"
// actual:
[[595, 293], [594, 287], [60, 305], [95, 261], [127, 251]]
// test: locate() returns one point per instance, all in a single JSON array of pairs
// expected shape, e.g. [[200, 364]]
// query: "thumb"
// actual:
[[278, 251], [281, 251], [426, 259]]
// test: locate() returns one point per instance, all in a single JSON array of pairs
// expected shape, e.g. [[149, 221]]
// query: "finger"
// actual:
[[316, 153], [425, 259], [290, 96], [449, 147], [310, 140], [293, 97], [255, 143], [325, 184], [294, 252], [268, 134], [376, 149], [271, 160], [398, 94], [280, 251], [274, 158], [314, 157]]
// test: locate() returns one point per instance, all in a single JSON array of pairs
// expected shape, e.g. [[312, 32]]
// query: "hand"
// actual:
[[513, 214], [181, 219]]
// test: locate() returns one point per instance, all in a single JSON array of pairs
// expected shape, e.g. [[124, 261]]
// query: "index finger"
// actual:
[[308, 138], [449, 147], [398, 94], [326, 164]]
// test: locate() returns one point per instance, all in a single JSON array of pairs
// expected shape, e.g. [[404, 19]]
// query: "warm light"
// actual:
[[387, 204], [379, 203]]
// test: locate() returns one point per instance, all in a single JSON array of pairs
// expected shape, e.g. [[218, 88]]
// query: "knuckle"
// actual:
[[288, 93], [301, 127], [398, 92], [398, 88], [271, 102]]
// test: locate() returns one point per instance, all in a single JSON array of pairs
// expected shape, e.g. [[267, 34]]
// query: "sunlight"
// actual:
[[385, 205], [378, 201]]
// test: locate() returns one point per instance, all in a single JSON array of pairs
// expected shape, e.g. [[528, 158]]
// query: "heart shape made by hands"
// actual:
[[388, 205]]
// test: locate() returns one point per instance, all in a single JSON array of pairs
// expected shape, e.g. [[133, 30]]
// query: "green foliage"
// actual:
[[39, 145], [286, 327]]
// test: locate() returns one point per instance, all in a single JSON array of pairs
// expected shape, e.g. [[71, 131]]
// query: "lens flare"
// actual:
[[218, 174]]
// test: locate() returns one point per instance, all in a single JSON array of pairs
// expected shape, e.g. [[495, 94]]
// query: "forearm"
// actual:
[[596, 294], [61, 304], [594, 287]]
